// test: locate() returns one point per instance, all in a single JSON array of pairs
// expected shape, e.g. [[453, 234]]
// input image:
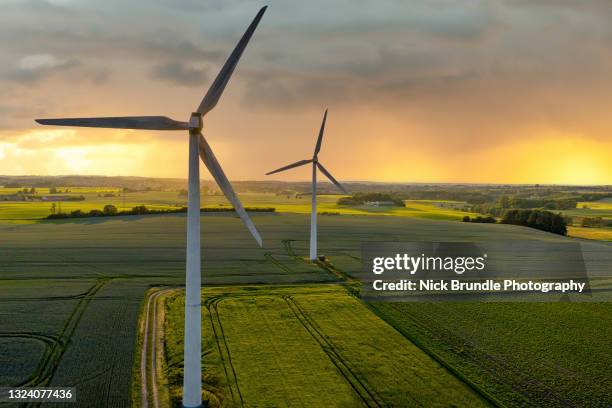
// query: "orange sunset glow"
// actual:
[[470, 92]]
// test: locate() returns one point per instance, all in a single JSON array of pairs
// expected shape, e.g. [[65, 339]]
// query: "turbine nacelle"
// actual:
[[195, 122]]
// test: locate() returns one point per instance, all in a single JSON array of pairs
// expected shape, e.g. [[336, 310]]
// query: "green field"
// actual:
[[601, 208], [78, 285], [543, 354], [30, 211], [306, 346]]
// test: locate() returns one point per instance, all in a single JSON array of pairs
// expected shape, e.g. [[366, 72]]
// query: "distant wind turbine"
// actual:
[[192, 376], [315, 164]]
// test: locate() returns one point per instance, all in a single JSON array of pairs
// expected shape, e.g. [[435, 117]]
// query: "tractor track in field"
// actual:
[[368, 397], [55, 346], [348, 281], [436, 357], [52, 359], [49, 342], [224, 351], [326, 266], [150, 356]]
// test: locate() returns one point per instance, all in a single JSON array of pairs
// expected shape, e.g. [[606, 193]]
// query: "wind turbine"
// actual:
[[315, 164], [192, 376]]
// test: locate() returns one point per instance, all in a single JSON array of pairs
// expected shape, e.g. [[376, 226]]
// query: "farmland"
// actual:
[[602, 208], [30, 211], [95, 198], [79, 285], [543, 354], [310, 346], [599, 234]]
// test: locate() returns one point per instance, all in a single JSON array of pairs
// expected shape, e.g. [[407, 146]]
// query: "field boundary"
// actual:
[[368, 397], [495, 365], [148, 348], [458, 374], [224, 350]]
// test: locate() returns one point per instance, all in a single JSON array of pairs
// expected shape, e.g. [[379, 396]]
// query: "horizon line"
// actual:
[[308, 181]]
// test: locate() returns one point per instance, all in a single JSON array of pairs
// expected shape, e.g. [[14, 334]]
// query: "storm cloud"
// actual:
[[442, 77]]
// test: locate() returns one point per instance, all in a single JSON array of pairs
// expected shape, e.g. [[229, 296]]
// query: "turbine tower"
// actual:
[[315, 164], [192, 376]]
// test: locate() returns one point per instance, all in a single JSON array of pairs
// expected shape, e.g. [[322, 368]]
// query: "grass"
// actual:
[[310, 346]]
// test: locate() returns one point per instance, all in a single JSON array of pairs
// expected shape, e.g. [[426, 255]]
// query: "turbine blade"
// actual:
[[125, 122], [216, 89], [320, 139], [209, 159], [290, 166], [331, 178]]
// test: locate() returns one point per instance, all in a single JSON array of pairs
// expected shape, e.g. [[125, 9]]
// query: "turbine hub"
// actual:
[[195, 122]]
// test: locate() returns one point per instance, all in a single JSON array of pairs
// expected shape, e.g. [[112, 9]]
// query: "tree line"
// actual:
[[539, 219], [362, 198], [112, 211]]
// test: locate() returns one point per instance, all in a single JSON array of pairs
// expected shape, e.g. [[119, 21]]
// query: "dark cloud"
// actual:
[[180, 73], [484, 71]]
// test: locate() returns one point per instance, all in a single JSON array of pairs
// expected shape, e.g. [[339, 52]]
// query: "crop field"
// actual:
[[30, 337], [601, 208], [72, 286], [599, 234], [543, 354], [310, 346], [50, 327]]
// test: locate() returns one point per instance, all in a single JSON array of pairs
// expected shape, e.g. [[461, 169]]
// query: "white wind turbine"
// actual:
[[192, 376], [315, 164]]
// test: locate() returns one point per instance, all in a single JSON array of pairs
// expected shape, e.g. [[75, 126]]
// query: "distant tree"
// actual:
[[466, 218], [77, 213], [183, 192], [141, 209], [540, 219], [592, 222], [95, 213], [109, 209], [52, 190], [53, 208], [504, 201]]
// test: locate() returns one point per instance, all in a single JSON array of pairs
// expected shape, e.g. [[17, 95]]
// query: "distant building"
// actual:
[[56, 198], [380, 203]]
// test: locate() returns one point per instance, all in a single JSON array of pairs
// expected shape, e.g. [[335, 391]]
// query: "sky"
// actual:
[[491, 91]]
